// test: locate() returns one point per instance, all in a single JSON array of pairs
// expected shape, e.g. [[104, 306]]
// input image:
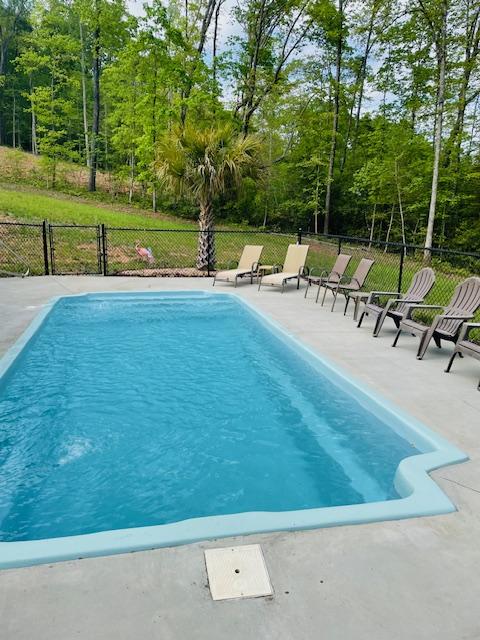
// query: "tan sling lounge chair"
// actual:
[[339, 268], [445, 326], [247, 265], [465, 345], [396, 307], [355, 283], [293, 267]]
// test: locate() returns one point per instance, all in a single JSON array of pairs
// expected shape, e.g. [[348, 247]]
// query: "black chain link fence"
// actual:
[[57, 249]]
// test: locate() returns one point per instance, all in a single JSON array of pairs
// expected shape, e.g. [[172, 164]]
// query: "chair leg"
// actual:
[[318, 292], [396, 338], [437, 340], [335, 293], [361, 319], [450, 362], [379, 324], [324, 294], [424, 342], [298, 283], [347, 300], [214, 278], [307, 288]]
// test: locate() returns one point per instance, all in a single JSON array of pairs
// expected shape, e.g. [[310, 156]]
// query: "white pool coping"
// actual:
[[421, 496]]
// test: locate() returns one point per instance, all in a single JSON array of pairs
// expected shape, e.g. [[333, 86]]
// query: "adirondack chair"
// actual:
[[355, 283], [396, 307], [341, 263], [445, 326], [465, 345]]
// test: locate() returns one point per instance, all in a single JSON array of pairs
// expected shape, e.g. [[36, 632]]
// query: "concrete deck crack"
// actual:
[[460, 484]]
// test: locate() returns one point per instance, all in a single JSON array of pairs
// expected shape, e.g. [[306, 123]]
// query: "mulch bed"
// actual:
[[166, 273]]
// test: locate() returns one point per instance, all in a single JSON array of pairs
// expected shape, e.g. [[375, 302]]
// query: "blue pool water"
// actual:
[[132, 411]]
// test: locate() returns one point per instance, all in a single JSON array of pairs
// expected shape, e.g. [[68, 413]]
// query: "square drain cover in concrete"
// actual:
[[237, 572]]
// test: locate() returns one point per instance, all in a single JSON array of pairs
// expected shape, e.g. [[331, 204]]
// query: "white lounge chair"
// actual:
[[293, 267], [247, 265]]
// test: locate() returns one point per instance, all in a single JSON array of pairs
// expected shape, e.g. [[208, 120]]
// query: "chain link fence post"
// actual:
[[45, 247], [103, 232]]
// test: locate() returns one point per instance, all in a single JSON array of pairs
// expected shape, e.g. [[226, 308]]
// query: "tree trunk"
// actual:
[[361, 85], [34, 119], [92, 186], [336, 108], [441, 45], [400, 206], [84, 98], [206, 238], [372, 227], [387, 238], [132, 178], [14, 120]]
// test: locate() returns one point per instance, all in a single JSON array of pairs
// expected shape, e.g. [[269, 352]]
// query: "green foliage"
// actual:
[[163, 121]]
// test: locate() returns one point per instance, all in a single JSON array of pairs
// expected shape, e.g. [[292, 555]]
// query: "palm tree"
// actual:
[[203, 163]]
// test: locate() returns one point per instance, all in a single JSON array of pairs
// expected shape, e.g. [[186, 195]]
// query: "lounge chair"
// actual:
[[355, 283], [293, 267], [445, 326], [339, 268], [465, 346], [396, 307], [247, 265]]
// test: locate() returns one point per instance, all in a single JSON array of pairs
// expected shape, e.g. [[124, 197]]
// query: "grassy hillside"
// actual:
[[30, 205]]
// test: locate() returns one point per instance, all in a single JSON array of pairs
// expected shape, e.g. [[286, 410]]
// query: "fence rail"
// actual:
[[59, 249]]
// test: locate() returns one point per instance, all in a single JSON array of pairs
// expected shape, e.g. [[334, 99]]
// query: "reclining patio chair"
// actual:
[[466, 346], [338, 269], [293, 267], [396, 307], [355, 283], [445, 326], [247, 265]]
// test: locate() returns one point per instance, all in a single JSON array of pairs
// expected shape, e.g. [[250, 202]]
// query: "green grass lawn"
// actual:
[[31, 206], [76, 250]]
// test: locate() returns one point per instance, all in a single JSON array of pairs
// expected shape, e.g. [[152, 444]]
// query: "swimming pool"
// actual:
[[131, 421]]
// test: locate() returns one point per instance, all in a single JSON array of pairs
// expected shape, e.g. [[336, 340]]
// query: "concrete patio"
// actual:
[[410, 579]]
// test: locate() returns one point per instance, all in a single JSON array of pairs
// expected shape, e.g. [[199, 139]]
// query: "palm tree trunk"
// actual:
[[206, 238]]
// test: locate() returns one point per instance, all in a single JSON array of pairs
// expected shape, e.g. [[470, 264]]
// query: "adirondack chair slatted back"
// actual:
[[465, 301], [421, 284], [338, 269], [250, 255], [361, 272]]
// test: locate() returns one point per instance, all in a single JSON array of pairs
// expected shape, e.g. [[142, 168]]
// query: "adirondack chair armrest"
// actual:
[[449, 316], [394, 301], [379, 294], [465, 330], [415, 307]]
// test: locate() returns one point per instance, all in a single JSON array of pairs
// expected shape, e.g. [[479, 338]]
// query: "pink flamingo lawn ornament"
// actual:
[[144, 253]]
